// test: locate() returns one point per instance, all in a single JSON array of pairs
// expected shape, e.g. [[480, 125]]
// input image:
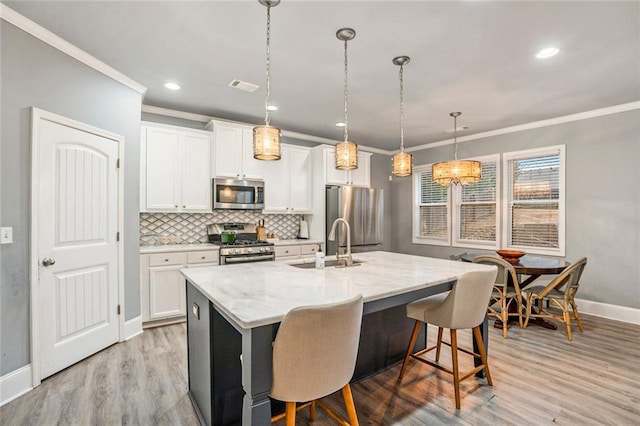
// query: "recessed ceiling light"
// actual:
[[172, 86], [272, 108], [547, 52], [340, 124]]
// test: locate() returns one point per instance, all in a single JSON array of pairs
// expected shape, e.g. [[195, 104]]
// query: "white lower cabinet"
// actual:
[[163, 294], [296, 251]]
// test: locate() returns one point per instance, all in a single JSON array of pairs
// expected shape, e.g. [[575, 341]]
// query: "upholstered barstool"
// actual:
[[314, 355], [465, 306], [503, 294]]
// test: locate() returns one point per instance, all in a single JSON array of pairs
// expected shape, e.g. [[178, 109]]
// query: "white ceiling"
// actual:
[[471, 56]]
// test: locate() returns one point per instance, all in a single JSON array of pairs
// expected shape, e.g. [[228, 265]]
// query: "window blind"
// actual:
[[534, 195], [477, 207], [434, 220]]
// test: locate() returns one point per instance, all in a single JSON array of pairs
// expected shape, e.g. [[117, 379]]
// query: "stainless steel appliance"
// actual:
[[238, 194], [363, 209], [245, 248]]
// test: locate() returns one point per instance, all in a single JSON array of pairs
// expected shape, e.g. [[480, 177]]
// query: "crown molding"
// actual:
[[150, 109], [14, 18], [534, 125]]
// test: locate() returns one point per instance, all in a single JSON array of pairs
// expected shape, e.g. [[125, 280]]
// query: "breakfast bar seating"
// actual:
[[463, 307]]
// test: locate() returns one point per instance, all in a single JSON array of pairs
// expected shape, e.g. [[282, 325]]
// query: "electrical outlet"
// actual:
[[6, 235]]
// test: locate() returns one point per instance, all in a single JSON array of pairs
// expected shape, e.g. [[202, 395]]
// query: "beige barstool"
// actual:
[[314, 355], [465, 306]]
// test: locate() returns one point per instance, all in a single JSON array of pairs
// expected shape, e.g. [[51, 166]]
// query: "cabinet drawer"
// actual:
[[202, 257], [308, 249], [287, 251], [167, 259]]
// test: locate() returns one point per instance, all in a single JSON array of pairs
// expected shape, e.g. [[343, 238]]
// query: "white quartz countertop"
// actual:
[[177, 247], [261, 293], [296, 242]]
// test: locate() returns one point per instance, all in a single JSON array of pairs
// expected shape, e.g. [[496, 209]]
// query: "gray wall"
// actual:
[[35, 74], [380, 172], [602, 199]]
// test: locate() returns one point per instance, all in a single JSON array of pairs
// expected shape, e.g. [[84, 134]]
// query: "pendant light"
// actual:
[[463, 172], [267, 139], [346, 152], [402, 162]]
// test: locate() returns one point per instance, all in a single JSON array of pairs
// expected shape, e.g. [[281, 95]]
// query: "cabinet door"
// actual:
[[334, 176], [166, 292], [161, 156], [228, 155], [196, 173], [300, 178], [276, 183], [251, 168], [362, 175]]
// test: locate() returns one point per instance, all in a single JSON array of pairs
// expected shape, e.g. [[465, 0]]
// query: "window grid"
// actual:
[[476, 220], [432, 222]]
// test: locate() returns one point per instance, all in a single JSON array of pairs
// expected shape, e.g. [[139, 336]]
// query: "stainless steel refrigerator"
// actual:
[[363, 209]]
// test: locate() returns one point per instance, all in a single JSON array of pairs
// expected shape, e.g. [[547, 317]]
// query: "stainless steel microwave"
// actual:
[[238, 194]]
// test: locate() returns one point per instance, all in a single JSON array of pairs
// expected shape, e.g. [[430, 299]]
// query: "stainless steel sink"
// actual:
[[327, 264]]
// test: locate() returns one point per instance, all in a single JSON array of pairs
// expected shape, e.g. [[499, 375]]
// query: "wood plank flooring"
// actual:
[[539, 378]]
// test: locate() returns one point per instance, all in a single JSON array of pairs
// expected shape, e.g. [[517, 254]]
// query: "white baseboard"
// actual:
[[133, 327], [605, 310], [15, 384]]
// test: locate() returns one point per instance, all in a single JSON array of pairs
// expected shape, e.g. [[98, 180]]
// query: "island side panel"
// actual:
[[215, 370], [257, 375]]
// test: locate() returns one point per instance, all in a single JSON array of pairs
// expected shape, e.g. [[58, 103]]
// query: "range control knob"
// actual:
[[263, 249], [249, 250]]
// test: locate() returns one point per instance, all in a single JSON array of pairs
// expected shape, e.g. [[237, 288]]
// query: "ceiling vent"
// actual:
[[243, 85]]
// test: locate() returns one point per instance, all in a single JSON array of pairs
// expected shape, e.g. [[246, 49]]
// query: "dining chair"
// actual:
[[503, 295], [314, 355], [560, 293], [465, 306]]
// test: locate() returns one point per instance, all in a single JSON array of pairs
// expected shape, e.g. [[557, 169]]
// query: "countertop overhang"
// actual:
[[261, 293]]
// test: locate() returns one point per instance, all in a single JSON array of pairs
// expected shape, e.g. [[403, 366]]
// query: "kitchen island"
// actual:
[[235, 309]]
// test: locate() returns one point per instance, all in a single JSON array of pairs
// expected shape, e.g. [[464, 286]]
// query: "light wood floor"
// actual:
[[539, 378]]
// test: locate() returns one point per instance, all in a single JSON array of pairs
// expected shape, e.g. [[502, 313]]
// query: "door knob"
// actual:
[[47, 261]]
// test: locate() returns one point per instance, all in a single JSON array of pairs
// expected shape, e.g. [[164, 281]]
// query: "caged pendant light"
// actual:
[[463, 172], [267, 138], [346, 152], [402, 162]]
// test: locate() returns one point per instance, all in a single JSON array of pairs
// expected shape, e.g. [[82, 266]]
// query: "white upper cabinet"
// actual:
[[234, 152], [358, 177], [288, 182], [175, 169]]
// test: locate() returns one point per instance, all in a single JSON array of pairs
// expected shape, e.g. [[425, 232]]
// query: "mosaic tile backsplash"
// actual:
[[191, 228]]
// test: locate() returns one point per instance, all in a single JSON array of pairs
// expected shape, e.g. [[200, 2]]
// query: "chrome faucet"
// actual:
[[348, 261]]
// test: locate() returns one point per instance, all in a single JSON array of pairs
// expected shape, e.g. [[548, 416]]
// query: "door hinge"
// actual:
[[118, 309], [117, 236], [118, 163]]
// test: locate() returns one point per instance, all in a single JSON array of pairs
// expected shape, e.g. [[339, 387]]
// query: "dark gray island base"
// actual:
[[217, 381]]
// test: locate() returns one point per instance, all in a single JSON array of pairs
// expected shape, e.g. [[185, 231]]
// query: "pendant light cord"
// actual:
[[267, 119], [455, 138], [346, 95], [401, 108]]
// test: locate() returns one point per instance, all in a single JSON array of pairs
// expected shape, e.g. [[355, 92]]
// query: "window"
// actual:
[[529, 215], [534, 200], [476, 213], [431, 209]]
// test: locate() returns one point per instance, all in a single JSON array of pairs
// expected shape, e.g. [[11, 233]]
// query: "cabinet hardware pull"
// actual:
[[166, 260]]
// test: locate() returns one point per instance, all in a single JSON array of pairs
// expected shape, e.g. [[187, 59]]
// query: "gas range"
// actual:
[[245, 249]]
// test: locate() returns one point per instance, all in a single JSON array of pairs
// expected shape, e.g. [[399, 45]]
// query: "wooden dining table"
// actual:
[[534, 267]]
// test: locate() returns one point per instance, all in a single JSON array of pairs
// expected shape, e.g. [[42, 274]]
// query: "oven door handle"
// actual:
[[241, 259]]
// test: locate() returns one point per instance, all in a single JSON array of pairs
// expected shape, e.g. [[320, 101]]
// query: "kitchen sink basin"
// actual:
[[327, 264]]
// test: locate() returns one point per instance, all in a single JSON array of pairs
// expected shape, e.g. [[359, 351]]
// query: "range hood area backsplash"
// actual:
[[191, 228]]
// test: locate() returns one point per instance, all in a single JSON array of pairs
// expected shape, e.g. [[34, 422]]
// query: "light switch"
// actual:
[[6, 235]]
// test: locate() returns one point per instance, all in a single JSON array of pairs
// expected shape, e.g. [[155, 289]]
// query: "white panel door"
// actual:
[[196, 173], [77, 224], [167, 292], [362, 175], [300, 180], [276, 184], [162, 169], [251, 168], [228, 158], [334, 176]]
